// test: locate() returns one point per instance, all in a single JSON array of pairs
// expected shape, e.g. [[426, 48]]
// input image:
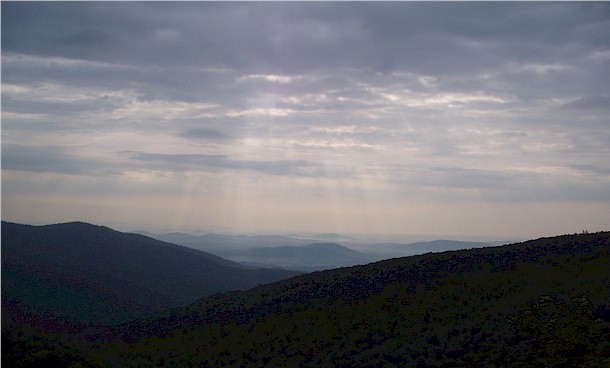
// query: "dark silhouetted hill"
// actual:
[[457, 308], [93, 274], [544, 302]]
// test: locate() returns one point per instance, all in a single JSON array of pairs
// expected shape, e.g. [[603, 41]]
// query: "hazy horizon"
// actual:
[[341, 238], [433, 120]]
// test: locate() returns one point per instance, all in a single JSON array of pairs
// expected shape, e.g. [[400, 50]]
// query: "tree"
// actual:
[[559, 334]]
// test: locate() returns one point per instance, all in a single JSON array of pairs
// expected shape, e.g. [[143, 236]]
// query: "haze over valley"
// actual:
[[308, 254]]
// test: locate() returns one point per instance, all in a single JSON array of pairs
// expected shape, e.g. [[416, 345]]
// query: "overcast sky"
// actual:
[[433, 119]]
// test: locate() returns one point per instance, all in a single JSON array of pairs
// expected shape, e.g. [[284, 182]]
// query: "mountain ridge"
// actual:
[[100, 268], [418, 269], [543, 300], [445, 309], [309, 257], [256, 250]]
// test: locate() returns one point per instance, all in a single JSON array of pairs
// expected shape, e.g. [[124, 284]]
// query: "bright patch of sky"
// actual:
[[450, 119]]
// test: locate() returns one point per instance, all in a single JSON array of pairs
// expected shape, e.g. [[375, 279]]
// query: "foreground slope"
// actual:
[[92, 274], [539, 303]]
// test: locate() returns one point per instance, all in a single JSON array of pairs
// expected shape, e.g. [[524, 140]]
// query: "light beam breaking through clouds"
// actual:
[[466, 119]]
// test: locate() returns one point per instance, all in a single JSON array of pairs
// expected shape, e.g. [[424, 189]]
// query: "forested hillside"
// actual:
[[539, 303]]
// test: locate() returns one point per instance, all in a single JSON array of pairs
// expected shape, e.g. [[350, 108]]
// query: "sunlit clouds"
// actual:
[[469, 119]]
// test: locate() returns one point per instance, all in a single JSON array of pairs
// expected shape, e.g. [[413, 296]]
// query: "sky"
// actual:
[[480, 120]]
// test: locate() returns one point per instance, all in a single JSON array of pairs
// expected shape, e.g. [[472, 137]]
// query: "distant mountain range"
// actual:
[[93, 274], [219, 244], [306, 254], [310, 257]]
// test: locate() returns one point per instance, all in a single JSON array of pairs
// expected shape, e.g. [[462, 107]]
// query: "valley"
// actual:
[[305, 254], [503, 306]]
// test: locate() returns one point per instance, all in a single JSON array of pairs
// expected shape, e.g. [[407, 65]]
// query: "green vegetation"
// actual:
[[32, 350], [560, 334], [540, 303]]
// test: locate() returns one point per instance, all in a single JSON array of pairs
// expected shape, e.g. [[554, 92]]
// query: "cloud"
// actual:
[[493, 102], [301, 37], [89, 38], [167, 35], [589, 102], [282, 79], [603, 171], [205, 134], [55, 159], [204, 162], [506, 185]]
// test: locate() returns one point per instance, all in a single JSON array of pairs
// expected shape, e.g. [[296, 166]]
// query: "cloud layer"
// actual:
[[352, 117]]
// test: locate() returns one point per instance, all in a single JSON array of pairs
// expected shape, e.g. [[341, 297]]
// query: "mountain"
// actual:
[[92, 274], [310, 257], [227, 244], [284, 252], [542, 303], [333, 237], [273, 251]]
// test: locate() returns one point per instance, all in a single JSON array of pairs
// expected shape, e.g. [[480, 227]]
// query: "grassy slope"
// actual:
[[447, 309]]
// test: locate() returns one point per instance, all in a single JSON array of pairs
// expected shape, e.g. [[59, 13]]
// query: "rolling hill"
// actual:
[[292, 253], [544, 302], [92, 274]]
